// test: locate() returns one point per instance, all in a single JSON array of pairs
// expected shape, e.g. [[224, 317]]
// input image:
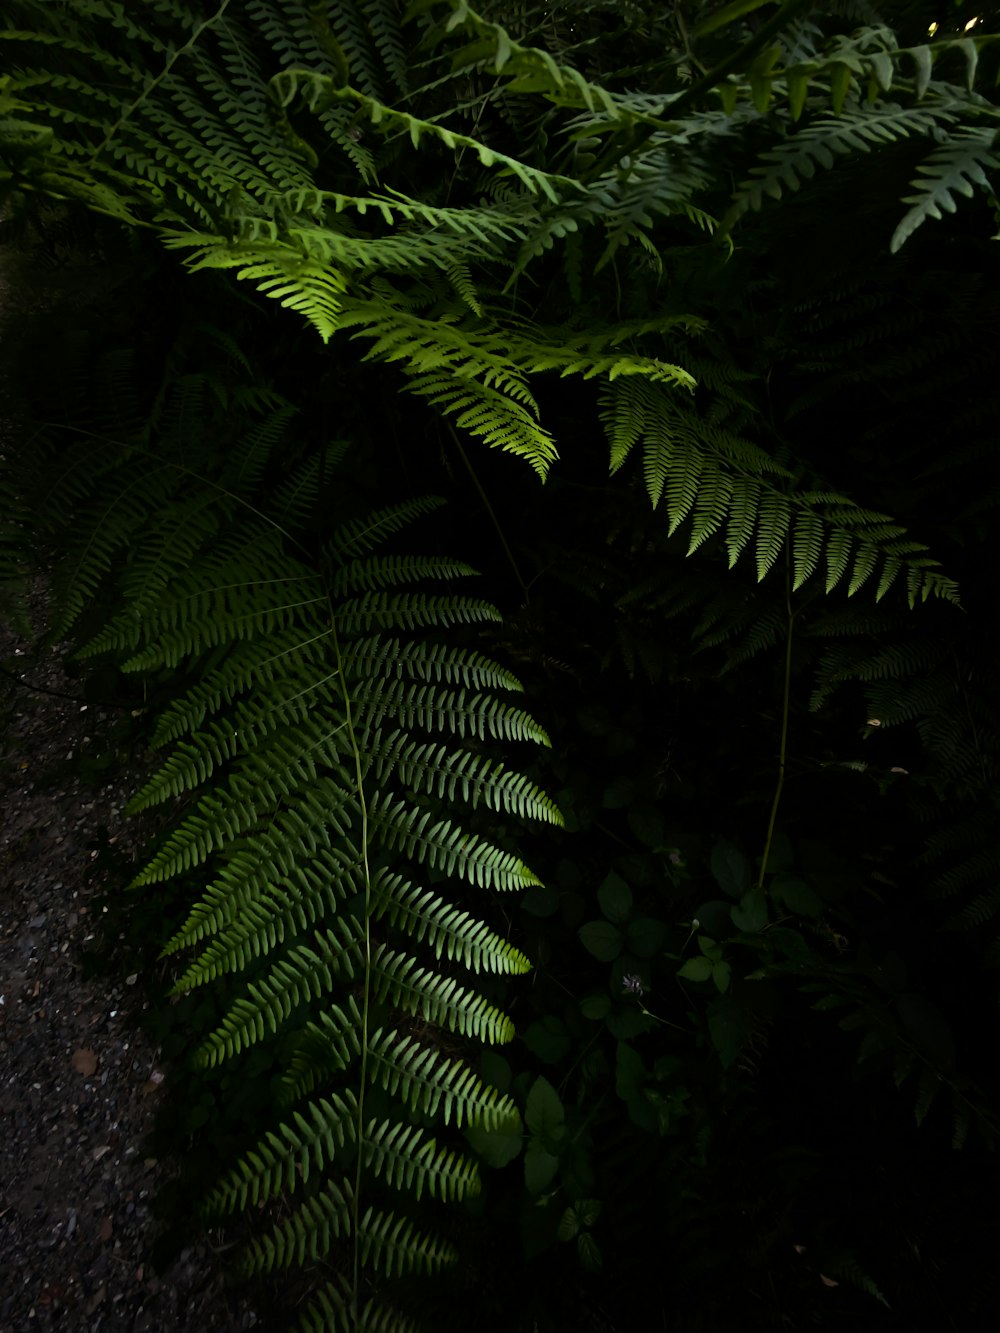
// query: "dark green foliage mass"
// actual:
[[676, 322]]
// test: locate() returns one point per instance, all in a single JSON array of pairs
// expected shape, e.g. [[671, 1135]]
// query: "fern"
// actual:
[[818, 145], [330, 712], [480, 217], [955, 166], [237, 187], [714, 479]]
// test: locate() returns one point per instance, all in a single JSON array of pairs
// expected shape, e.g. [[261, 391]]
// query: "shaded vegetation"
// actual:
[[610, 937]]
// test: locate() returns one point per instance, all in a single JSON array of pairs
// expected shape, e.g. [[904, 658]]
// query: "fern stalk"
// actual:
[[345, 694], [783, 743]]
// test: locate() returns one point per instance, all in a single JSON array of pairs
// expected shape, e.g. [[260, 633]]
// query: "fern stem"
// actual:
[[737, 59], [783, 744], [366, 996], [145, 94]]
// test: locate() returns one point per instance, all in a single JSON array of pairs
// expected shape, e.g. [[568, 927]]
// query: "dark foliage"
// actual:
[[724, 1059]]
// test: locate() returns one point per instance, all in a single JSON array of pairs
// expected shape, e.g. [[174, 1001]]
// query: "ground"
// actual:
[[79, 1080]]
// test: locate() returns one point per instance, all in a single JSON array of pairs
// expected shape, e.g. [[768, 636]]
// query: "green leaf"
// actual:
[[569, 1225], [729, 95], [750, 915], [970, 49], [923, 59], [544, 1114], [595, 1006], [629, 1021], [602, 939], [760, 77], [728, 14], [589, 1252], [644, 936], [615, 898], [540, 1168], [729, 1027], [714, 918], [788, 942], [796, 895], [840, 82], [722, 974], [548, 1038], [496, 1147], [798, 87], [730, 868], [883, 69], [696, 969]]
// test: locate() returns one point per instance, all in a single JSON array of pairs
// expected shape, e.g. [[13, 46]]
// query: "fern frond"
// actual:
[[395, 1246], [446, 847], [432, 1084], [279, 270], [332, 1310], [309, 1141], [405, 1157], [419, 990], [319, 91], [302, 974], [309, 1234], [456, 774], [818, 145], [421, 915], [956, 166]]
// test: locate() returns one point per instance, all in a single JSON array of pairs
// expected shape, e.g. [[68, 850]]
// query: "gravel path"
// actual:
[[79, 1082]]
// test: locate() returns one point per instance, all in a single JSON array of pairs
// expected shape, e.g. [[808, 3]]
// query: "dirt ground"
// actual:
[[79, 1082]]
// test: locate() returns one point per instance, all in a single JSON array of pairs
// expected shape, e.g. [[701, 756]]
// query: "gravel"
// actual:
[[79, 1082]]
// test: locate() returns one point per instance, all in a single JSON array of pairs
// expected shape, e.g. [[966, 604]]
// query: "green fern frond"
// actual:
[[432, 1084], [391, 611], [956, 166], [818, 145], [309, 1142], [421, 915], [456, 774], [454, 711], [712, 478], [495, 417], [309, 1234], [319, 91], [444, 846], [333, 1310], [281, 271], [405, 1157], [302, 974], [395, 1246], [311, 678], [400, 980]]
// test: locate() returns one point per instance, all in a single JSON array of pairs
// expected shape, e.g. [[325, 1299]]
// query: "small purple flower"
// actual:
[[675, 857], [632, 984]]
